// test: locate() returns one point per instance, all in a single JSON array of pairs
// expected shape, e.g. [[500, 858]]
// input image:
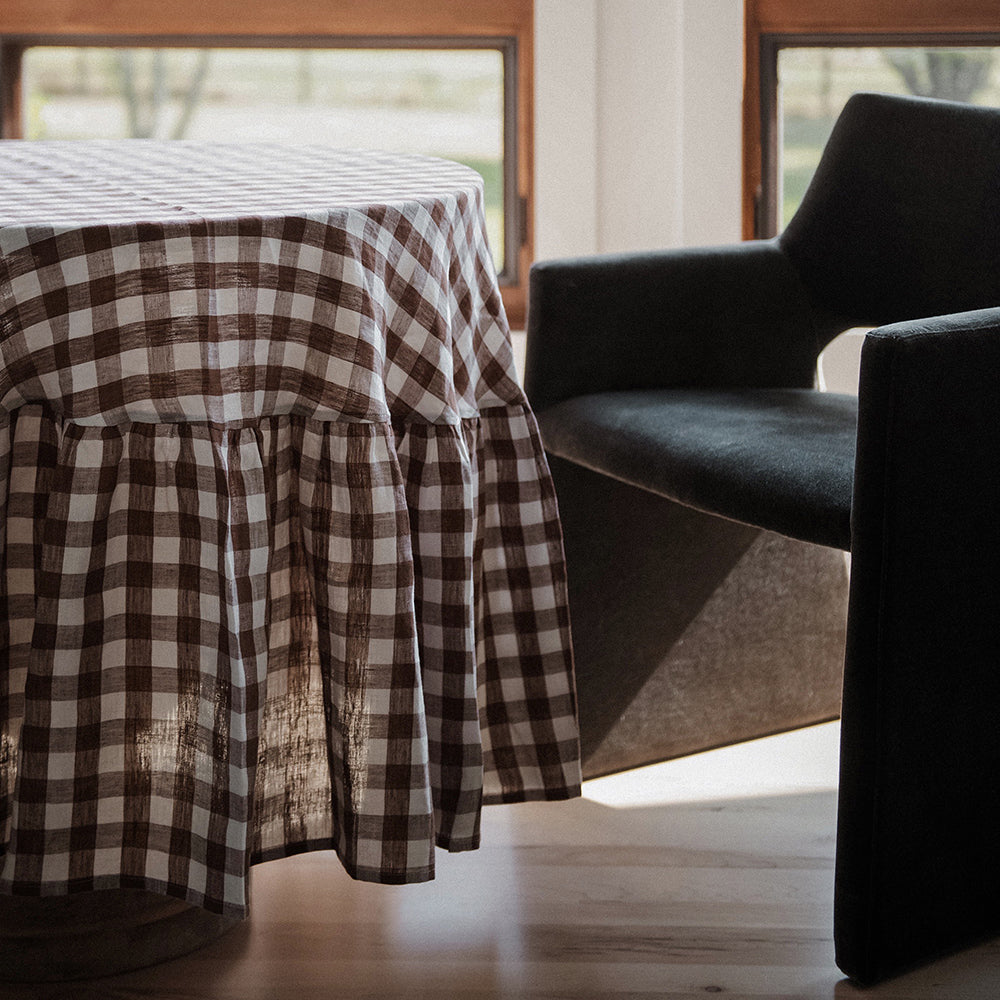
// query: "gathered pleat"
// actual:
[[441, 484]]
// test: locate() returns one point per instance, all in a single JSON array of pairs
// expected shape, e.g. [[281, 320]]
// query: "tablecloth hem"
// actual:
[[384, 876], [291, 849], [361, 872], [532, 795], [457, 845]]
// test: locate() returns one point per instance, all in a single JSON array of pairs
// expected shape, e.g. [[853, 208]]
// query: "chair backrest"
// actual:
[[902, 218]]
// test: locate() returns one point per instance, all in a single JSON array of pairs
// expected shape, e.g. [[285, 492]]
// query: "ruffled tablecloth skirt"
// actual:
[[280, 560], [230, 643]]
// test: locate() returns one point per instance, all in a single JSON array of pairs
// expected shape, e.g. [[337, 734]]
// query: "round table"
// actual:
[[282, 567]]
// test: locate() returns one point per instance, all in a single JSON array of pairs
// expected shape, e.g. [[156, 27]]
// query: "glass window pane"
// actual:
[[814, 83], [439, 102]]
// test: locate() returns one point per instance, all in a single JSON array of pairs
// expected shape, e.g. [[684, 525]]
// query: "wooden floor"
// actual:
[[710, 876]]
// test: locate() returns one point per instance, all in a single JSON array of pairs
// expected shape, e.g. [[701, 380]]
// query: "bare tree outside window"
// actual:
[[948, 74], [815, 81], [146, 107]]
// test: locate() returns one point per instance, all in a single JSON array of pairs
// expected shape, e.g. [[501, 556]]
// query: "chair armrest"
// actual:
[[720, 316], [917, 873]]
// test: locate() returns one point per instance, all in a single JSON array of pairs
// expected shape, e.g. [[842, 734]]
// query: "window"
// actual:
[[442, 77], [805, 57], [446, 102]]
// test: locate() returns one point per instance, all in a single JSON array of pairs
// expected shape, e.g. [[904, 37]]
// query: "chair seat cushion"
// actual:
[[780, 459]]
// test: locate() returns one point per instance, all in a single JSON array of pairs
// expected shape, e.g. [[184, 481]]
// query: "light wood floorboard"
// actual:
[[699, 878]]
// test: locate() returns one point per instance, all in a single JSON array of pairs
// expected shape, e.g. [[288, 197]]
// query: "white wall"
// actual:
[[638, 124], [566, 135]]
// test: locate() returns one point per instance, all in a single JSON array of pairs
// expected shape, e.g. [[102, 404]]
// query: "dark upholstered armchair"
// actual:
[[675, 392]]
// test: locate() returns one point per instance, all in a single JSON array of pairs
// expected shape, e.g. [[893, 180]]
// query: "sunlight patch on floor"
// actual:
[[805, 760]]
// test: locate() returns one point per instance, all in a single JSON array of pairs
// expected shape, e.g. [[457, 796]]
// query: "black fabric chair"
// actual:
[[686, 379]]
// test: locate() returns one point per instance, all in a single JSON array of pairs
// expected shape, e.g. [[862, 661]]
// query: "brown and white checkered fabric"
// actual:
[[281, 565]]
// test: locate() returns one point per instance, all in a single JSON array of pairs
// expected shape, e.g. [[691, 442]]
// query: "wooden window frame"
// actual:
[[772, 24], [504, 24]]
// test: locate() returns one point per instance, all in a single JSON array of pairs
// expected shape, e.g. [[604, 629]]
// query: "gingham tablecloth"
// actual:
[[281, 564]]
